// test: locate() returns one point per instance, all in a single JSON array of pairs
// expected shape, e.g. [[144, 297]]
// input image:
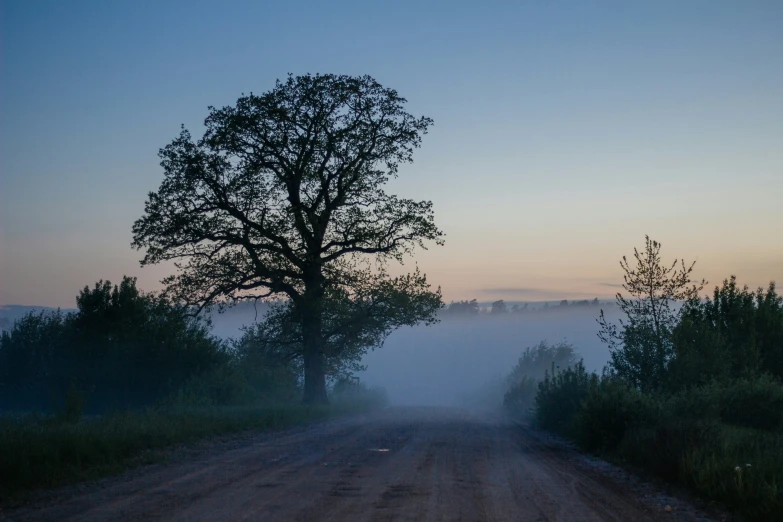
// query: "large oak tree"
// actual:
[[283, 196]]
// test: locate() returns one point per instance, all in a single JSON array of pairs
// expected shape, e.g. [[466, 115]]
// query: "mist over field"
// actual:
[[452, 361], [446, 363]]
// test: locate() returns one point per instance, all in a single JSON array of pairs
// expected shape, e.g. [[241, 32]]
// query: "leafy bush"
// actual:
[[695, 393], [536, 361], [128, 348], [753, 403], [609, 409], [520, 398], [560, 396], [750, 402], [532, 367], [73, 407], [736, 334], [703, 437]]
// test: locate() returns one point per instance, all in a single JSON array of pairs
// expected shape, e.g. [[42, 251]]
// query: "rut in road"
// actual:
[[403, 464]]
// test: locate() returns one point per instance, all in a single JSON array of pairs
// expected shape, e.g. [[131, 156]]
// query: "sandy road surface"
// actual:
[[436, 464]]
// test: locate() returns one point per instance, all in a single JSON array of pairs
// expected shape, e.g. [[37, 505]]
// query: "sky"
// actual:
[[564, 131]]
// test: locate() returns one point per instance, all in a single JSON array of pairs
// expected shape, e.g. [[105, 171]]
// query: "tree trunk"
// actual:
[[310, 309], [315, 379]]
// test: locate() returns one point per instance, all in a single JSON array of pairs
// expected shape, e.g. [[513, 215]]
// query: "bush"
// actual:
[[741, 467], [520, 397], [722, 440], [660, 448], [130, 349], [609, 409], [223, 386], [560, 397], [752, 403], [735, 334], [532, 366], [537, 360], [73, 407]]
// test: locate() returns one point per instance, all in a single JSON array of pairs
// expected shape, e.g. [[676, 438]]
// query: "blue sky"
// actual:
[[564, 131]]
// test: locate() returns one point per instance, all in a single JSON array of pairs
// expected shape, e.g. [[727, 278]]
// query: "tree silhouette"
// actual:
[[284, 196], [498, 308], [642, 347]]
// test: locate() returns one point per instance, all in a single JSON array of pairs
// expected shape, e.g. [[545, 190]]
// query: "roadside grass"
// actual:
[[45, 452], [721, 441]]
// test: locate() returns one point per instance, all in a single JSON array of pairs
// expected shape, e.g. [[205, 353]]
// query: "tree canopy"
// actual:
[[284, 196], [642, 347]]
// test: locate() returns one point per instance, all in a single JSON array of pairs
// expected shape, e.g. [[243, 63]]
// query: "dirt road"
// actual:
[[402, 464]]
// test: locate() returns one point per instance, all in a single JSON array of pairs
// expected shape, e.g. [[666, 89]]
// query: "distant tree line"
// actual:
[[500, 307]]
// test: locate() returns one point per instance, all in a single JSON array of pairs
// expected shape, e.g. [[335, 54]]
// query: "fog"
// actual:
[[445, 363], [449, 362]]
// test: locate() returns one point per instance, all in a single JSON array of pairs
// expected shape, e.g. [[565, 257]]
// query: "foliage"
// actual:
[[642, 347], [693, 392], [755, 402], [534, 363], [462, 308], [726, 451], [351, 324], [43, 452], [537, 360], [499, 308], [737, 333], [122, 348], [560, 397], [519, 398], [609, 409], [73, 408], [284, 196]]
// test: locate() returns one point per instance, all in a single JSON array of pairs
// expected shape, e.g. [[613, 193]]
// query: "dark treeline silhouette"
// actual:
[[122, 349], [500, 307]]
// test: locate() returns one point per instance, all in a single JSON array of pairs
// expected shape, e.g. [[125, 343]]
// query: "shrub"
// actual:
[[520, 397], [560, 396], [610, 408], [222, 386], [532, 366], [537, 360], [129, 348], [741, 467], [753, 403], [73, 407], [660, 448], [737, 333]]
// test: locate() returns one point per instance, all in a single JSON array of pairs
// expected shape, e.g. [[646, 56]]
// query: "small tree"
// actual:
[[463, 308], [642, 346], [499, 308], [284, 196]]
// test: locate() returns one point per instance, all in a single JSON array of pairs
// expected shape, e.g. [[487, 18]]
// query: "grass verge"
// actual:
[[723, 441], [45, 452]]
